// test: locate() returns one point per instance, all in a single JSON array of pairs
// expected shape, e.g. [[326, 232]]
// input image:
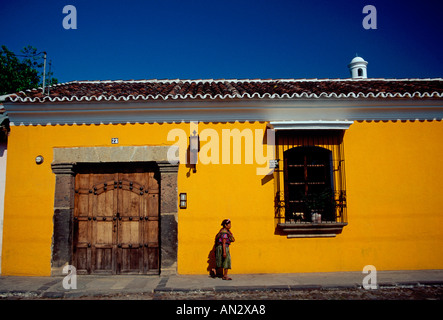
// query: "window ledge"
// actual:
[[311, 230]]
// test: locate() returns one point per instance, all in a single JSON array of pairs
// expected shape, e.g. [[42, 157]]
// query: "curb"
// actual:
[[254, 288]]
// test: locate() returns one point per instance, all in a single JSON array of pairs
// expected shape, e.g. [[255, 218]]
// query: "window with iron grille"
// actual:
[[310, 181]]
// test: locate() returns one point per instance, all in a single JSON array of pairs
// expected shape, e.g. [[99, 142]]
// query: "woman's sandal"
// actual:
[[226, 278]]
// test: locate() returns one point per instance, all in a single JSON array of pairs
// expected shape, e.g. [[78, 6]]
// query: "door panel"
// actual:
[[116, 223]]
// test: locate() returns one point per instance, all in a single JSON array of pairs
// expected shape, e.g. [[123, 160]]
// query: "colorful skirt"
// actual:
[[221, 262]]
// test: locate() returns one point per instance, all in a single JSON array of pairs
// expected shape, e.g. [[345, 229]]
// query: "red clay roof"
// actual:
[[234, 89]]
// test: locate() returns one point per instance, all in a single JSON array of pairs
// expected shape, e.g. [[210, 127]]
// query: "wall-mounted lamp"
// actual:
[[39, 159], [194, 148], [183, 200]]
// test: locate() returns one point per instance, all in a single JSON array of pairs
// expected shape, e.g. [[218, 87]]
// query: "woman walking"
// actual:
[[222, 241]]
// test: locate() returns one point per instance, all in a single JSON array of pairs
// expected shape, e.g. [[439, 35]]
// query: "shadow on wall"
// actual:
[[212, 268]]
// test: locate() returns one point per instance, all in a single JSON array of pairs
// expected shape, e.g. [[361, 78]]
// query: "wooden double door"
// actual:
[[116, 225]]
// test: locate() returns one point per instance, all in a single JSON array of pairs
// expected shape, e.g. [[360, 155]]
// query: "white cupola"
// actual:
[[357, 67]]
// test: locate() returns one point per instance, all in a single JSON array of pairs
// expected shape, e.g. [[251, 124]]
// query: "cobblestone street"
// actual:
[[402, 293], [416, 293]]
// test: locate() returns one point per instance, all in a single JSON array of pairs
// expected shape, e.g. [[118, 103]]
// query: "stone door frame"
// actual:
[[64, 167]]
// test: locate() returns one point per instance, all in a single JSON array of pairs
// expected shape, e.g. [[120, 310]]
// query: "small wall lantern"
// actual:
[[194, 148], [183, 200]]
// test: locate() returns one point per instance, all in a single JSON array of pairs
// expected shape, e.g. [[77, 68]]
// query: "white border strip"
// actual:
[[310, 125]]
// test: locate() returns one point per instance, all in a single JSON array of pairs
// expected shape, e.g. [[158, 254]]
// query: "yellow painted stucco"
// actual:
[[394, 187]]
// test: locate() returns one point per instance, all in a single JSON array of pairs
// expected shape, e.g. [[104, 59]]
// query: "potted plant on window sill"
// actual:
[[317, 203], [320, 203]]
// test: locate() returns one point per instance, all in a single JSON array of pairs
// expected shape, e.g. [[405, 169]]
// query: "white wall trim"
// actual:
[[223, 111], [310, 125]]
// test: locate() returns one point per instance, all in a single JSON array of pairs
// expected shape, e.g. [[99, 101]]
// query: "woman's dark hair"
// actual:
[[225, 222]]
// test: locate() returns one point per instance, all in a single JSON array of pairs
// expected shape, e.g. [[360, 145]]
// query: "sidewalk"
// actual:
[[90, 286]]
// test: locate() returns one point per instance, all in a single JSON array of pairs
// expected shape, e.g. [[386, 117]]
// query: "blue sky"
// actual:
[[242, 39]]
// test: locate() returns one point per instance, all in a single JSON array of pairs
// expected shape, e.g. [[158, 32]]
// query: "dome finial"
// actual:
[[357, 67]]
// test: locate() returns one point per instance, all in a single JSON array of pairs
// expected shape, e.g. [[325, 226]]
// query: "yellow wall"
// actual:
[[29, 195], [394, 187]]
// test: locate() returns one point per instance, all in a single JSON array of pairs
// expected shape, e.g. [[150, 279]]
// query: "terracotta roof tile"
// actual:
[[235, 89]]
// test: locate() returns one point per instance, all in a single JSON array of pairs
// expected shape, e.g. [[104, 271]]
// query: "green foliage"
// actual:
[[21, 74], [319, 200]]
